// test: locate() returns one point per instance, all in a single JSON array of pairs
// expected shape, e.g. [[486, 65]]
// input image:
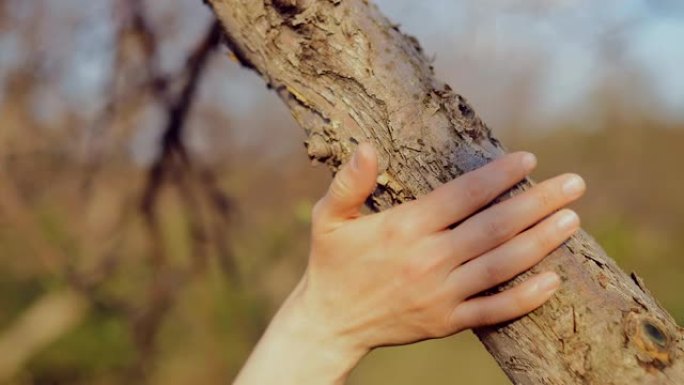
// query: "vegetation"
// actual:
[[179, 288]]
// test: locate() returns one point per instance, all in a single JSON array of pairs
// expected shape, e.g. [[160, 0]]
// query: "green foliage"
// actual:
[[99, 346]]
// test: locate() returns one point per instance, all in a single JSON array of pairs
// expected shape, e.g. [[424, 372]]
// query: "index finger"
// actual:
[[465, 195]]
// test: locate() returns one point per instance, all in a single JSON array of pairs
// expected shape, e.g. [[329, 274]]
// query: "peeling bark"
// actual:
[[349, 75]]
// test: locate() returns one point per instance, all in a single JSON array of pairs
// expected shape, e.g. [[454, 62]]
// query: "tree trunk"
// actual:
[[349, 75]]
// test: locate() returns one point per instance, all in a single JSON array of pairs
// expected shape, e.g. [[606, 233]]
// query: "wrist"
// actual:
[[305, 347], [316, 339]]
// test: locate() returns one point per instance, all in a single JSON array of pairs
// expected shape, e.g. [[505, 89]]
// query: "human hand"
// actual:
[[402, 275], [406, 275]]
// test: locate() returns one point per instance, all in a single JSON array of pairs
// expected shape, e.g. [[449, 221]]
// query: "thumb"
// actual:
[[351, 186]]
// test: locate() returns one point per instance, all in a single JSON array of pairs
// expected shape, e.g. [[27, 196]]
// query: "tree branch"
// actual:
[[349, 75]]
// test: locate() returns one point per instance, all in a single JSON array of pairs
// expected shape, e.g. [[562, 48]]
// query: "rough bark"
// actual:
[[349, 75]]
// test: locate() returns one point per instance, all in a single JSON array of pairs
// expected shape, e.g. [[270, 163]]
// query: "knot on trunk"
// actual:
[[651, 340]]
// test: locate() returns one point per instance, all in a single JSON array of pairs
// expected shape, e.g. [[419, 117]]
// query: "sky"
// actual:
[[559, 49], [580, 41]]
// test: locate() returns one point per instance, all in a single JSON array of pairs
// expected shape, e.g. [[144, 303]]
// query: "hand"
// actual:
[[402, 276]]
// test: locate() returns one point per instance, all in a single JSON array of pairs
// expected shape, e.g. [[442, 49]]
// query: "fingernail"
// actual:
[[529, 161], [567, 220], [574, 186], [549, 283]]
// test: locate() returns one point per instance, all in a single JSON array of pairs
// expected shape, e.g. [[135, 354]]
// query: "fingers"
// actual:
[[505, 306], [514, 257], [350, 188], [463, 196], [495, 226]]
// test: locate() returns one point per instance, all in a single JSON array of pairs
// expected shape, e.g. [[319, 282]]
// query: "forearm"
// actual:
[[297, 350]]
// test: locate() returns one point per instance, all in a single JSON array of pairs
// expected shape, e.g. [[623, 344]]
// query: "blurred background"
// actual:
[[155, 197]]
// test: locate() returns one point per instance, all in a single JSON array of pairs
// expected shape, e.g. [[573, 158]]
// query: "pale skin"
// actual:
[[406, 274]]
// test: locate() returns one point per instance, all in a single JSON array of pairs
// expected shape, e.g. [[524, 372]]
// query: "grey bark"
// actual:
[[350, 75]]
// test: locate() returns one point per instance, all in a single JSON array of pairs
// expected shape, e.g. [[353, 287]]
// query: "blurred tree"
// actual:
[[349, 75], [85, 293]]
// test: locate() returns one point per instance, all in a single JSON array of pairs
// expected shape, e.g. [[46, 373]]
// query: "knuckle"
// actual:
[[545, 198], [543, 240], [404, 228], [494, 273], [475, 190], [341, 187], [397, 229], [497, 229], [519, 304], [509, 170], [482, 317]]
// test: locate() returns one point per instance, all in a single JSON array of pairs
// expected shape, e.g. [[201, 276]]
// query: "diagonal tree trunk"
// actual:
[[349, 75]]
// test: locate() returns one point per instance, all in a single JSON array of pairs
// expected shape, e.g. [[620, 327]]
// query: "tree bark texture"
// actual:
[[349, 75]]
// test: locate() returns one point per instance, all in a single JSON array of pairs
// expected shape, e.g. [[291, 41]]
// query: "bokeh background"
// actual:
[[155, 197]]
